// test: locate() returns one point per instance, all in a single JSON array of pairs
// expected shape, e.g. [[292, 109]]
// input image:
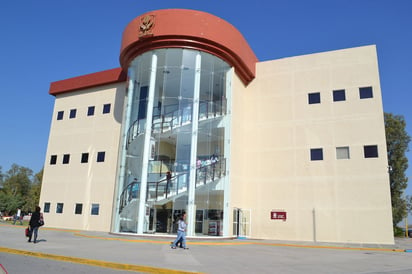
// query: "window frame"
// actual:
[[339, 95], [60, 115], [66, 159], [370, 151], [53, 159], [90, 110], [46, 207], [101, 156], [72, 113], [314, 98], [365, 92], [84, 158], [95, 209], [106, 108], [78, 207], [314, 156], [59, 208], [339, 154]]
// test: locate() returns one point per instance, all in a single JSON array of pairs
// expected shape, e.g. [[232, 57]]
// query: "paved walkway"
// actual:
[[154, 255]]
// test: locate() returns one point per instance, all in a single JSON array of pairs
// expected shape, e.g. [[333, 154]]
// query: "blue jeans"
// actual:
[[33, 233], [181, 235]]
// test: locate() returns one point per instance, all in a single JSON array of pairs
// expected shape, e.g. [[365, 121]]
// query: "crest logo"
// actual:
[[146, 25]]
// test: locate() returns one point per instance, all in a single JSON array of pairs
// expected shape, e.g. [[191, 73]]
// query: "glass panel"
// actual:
[[316, 154], [171, 150], [314, 98], [365, 92], [342, 153], [370, 151]]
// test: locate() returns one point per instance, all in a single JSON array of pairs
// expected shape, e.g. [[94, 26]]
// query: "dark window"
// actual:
[[314, 98], [66, 158], [106, 108], [90, 111], [95, 209], [46, 207], [339, 95], [60, 115], [78, 209], [365, 92], [53, 159], [316, 154], [72, 113], [100, 156], [370, 151], [59, 208], [85, 158]]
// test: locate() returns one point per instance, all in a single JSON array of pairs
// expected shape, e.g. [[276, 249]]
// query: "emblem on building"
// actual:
[[146, 25]]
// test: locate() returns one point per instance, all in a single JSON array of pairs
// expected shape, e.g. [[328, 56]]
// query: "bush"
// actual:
[[398, 232]]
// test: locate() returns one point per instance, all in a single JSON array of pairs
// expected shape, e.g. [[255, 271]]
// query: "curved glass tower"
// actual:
[[175, 148]]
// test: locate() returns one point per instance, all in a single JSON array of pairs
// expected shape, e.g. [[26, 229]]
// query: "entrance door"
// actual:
[[241, 222]]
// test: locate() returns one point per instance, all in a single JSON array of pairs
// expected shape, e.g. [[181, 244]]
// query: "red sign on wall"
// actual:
[[278, 215]]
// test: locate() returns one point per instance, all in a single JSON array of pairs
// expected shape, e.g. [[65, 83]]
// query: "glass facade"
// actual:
[[175, 148]]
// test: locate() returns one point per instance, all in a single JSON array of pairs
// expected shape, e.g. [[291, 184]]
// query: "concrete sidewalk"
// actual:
[[154, 255]]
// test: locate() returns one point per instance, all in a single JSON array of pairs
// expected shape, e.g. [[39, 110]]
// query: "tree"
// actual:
[[397, 141], [16, 187], [32, 199]]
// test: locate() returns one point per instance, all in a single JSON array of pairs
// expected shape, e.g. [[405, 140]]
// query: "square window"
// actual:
[[90, 111], [339, 95], [59, 208], [66, 158], [72, 113], [53, 159], [100, 156], [342, 153], [370, 151], [314, 98], [46, 207], [95, 209], [365, 92], [85, 158], [60, 115], [106, 108], [316, 154], [78, 209]]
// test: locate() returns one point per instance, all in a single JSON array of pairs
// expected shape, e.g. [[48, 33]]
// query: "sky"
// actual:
[[46, 41]]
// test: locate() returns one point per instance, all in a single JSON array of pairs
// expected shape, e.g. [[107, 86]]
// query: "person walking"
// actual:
[[18, 216], [36, 221], [181, 233]]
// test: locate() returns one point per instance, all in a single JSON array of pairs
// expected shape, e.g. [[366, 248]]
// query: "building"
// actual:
[[288, 149]]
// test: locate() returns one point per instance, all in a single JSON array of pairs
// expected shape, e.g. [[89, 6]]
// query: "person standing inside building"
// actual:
[[18, 216], [168, 182], [36, 221], [181, 232]]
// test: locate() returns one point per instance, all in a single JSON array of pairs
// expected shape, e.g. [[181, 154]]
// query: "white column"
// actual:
[[227, 226], [123, 152], [146, 149], [191, 208]]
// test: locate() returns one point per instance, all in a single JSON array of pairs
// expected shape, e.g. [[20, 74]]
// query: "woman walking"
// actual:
[[36, 221], [181, 232]]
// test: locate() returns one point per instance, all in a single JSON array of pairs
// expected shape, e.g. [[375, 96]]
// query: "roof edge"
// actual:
[[100, 78]]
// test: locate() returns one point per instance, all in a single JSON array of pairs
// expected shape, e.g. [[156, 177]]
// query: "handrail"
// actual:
[[177, 117], [165, 189]]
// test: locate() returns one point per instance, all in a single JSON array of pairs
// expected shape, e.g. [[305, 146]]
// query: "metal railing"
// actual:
[[165, 189], [176, 117]]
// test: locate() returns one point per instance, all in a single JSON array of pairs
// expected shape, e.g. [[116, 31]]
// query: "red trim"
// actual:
[[87, 81], [178, 28]]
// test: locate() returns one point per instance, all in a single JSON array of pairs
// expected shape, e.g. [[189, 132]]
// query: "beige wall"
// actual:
[[273, 130], [77, 182]]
